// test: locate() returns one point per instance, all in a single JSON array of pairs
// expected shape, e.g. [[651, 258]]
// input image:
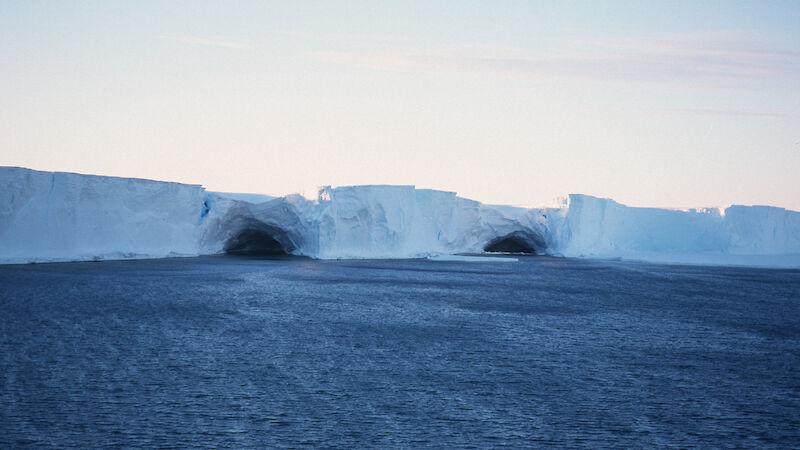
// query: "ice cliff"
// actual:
[[747, 235], [65, 216], [48, 216]]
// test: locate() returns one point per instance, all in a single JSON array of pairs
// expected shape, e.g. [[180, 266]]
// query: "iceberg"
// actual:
[[55, 216]]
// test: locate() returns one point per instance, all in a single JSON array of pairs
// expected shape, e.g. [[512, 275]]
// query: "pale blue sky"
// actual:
[[672, 104]]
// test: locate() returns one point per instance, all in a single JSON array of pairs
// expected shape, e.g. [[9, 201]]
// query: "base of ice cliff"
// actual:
[[47, 216]]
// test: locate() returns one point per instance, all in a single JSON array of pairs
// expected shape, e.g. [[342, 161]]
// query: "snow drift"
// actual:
[[48, 216]]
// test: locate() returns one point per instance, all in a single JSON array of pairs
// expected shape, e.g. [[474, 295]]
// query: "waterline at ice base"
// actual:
[[56, 216]]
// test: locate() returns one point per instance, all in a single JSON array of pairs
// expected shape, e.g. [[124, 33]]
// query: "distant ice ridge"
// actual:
[[48, 216]]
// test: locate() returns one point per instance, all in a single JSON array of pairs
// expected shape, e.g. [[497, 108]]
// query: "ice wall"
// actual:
[[762, 230], [47, 216], [363, 222], [603, 227], [750, 235], [404, 222]]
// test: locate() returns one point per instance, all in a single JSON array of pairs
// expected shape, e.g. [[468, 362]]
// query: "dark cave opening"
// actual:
[[512, 243], [256, 241]]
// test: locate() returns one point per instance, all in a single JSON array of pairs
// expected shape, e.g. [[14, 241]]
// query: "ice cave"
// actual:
[[517, 242], [258, 239]]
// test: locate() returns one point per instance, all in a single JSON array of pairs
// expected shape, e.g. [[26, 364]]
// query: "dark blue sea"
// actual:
[[262, 353]]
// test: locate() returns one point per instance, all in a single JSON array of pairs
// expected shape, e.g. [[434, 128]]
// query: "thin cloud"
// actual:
[[351, 38], [709, 57], [724, 112], [215, 42]]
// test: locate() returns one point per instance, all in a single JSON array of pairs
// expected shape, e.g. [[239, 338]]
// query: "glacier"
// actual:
[[57, 216]]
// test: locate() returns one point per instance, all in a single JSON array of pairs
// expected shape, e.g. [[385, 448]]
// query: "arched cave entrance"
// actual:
[[258, 239], [517, 242]]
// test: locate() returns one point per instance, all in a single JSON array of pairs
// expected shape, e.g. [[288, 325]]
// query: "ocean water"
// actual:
[[292, 352]]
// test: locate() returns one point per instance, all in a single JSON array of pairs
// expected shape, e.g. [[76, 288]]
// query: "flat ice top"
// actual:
[[463, 258], [245, 197]]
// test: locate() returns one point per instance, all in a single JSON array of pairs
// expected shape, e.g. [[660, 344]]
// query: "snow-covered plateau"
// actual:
[[56, 216]]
